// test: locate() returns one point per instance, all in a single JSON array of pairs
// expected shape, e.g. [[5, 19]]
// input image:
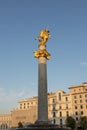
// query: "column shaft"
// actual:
[[42, 90]]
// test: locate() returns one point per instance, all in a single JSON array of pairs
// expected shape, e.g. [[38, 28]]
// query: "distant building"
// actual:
[[26, 112], [60, 105], [5, 121]]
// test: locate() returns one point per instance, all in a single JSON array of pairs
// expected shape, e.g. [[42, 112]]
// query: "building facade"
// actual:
[[5, 121], [60, 105]]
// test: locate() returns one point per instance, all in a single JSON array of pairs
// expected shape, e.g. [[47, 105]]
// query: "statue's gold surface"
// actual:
[[42, 53], [44, 36]]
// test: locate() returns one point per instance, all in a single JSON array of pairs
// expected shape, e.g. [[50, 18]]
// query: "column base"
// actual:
[[42, 127], [45, 122]]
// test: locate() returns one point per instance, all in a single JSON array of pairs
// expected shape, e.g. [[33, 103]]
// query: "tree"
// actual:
[[70, 122], [83, 122], [20, 125]]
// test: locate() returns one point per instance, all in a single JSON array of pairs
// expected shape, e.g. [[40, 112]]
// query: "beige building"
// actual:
[[5, 121], [79, 100], [60, 105], [26, 112]]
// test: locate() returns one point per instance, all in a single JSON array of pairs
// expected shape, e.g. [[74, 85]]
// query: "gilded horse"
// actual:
[[44, 36]]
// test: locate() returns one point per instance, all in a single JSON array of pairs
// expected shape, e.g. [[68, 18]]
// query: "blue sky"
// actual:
[[20, 23]]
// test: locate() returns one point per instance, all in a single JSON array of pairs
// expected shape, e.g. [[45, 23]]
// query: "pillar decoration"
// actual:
[[42, 56]]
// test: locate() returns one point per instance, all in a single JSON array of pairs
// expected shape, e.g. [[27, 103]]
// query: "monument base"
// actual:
[[42, 127], [40, 122]]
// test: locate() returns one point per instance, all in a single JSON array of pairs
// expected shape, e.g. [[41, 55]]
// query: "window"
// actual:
[[54, 121], [74, 90], [60, 122], [67, 113], [60, 107], [31, 102], [54, 114], [80, 101], [27, 106], [79, 89], [80, 96], [75, 101], [66, 98], [81, 112], [54, 100], [60, 114], [66, 106], [60, 96], [86, 100], [85, 95], [76, 118], [76, 113], [24, 105], [6, 127], [75, 97], [81, 107], [1, 126], [54, 107], [75, 107], [20, 106]]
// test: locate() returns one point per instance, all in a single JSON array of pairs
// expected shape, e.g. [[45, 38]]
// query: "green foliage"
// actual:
[[70, 122], [20, 125], [83, 122]]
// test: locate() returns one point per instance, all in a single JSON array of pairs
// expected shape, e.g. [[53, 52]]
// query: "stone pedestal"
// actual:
[[42, 127]]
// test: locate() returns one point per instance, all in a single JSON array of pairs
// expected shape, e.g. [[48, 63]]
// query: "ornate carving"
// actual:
[[42, 53]]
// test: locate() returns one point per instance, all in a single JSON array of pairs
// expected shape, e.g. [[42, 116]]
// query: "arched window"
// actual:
[[60, 96]]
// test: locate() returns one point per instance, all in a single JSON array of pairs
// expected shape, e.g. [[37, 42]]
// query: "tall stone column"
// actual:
[[42, 56], [42, 90], [42, 122]]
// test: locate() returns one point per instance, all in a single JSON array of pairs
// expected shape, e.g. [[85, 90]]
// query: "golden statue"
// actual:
[[44, 36]]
